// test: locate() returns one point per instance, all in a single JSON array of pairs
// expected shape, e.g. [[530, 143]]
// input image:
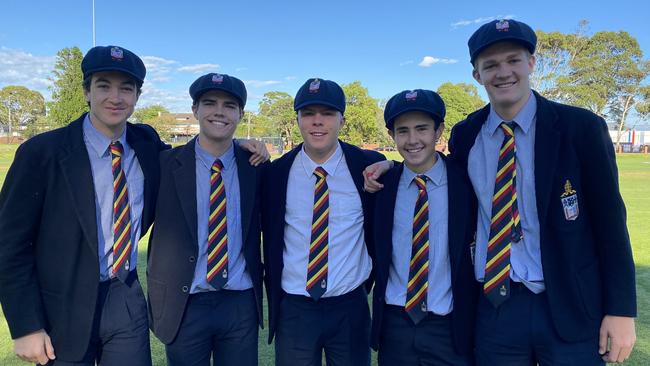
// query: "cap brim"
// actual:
[[317, 102], [436, 117], [200, 92], [111, 68], [529, 46]]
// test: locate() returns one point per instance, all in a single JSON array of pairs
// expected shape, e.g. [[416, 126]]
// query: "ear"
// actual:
[[439, 131], [342, 121], [477, 75], [87, 95], [531, 63], [391, 133], [195, 109]]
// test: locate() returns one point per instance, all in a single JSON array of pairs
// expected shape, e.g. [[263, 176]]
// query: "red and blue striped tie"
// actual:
[[418, 285], [217, 271], [505, 225], [319, 246], [122, 242]]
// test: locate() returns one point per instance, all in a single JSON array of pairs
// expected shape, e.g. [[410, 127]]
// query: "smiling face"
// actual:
[[112, 96], [218, 114], [319, 126], [415, 137], [504, 70]]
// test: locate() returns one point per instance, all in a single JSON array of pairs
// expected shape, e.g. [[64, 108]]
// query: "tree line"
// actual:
[[604, 72]]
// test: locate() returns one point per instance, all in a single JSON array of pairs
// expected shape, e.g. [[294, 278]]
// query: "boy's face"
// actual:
[[218, 114], [112, 97], [319, 126], [504, 70], [415, 137]]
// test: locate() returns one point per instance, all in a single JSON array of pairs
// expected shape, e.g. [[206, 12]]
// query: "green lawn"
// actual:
[[634, 173]]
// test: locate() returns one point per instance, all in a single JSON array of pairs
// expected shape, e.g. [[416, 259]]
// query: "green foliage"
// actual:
[[20, 107], [253, 125], [361, 114], [460, 100], [158, 117], [276, 112], [68, 101], [146, 114]]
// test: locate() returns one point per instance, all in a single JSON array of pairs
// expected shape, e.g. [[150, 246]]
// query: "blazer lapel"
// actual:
[[247, 186], [185, 179], [457, 214], [385, 205], [77, 173], [355, 165], [547, 142], [148, 159]]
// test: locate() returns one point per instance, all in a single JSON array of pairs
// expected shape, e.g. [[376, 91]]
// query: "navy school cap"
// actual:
[[223, 82], [499, 31], [420, 100], [113, 58], [320, 91]]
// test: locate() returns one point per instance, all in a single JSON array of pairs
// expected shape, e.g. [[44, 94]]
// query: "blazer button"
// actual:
[[185, 288], [192, 259]]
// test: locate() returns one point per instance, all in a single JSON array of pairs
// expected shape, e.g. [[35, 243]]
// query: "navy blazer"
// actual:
[[587, 262], [461, 221], [173, 246], [49, 267], [273, 209]]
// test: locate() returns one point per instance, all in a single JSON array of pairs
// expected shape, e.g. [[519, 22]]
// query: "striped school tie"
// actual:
[[217, 271], [418, 285], [505, 226], [319, 246], [122, 242]]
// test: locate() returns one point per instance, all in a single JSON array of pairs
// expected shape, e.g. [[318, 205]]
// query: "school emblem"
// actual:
[[224, 274], [503, 291], [423, 307], [314, 86], [323, 284], [117, 53], [570, 202], [503, 26], [126, 265], [411, 96], [217, 78]]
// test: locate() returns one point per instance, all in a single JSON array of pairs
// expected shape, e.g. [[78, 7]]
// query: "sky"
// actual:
[[389, 46]]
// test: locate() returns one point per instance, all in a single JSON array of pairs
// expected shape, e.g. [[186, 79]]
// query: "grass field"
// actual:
[[634, 171]]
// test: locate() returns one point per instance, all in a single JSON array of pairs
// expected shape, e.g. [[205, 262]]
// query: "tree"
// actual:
[[68, 101], [20, 107], [276, 110], [361, 113], [253, 125], [460, 100], [158, 117]]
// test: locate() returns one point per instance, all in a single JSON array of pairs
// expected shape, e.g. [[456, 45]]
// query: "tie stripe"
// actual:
[[418, 283], [217, 270], [122, 242], [505, 226], [319, 244]]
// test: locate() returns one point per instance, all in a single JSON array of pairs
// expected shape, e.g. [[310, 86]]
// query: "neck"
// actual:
[[509, 112], [111, 132], [214, 147], [425, 166], [319, 157]]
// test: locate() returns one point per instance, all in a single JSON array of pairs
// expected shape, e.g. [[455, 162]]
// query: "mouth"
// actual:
[[505, 85], [218, 123], [414, 150], [318, 134]]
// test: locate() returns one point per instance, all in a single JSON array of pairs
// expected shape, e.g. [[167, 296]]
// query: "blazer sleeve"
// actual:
[[21, 202], [608, 219]]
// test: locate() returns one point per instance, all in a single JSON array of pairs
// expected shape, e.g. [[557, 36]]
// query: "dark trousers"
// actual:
[[221, 325], [403, 343], [338, 325], [120, 334], [521, 332]]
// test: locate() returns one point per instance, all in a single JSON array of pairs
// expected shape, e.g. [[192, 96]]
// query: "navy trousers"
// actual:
[[521, 332], [403, 343], [218, 325], [120, 334], [339, 326]]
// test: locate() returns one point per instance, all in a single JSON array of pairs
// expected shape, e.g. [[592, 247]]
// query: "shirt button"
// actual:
[[192, 259], [185, 289]]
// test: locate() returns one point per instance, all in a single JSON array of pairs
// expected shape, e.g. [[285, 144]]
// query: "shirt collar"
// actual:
[[330, 165], [207, 159], [435, 174], [98, 141], [524, 118]]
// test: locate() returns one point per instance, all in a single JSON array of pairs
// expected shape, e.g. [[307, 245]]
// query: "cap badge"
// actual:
[[411, 96], [217, 78], [314, 86], [503, 26], [117, 53]]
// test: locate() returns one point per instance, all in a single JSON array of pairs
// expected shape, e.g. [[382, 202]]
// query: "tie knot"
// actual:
[[508, 128], [116, 148], [320, 173], [421, 182], [217, 166]]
